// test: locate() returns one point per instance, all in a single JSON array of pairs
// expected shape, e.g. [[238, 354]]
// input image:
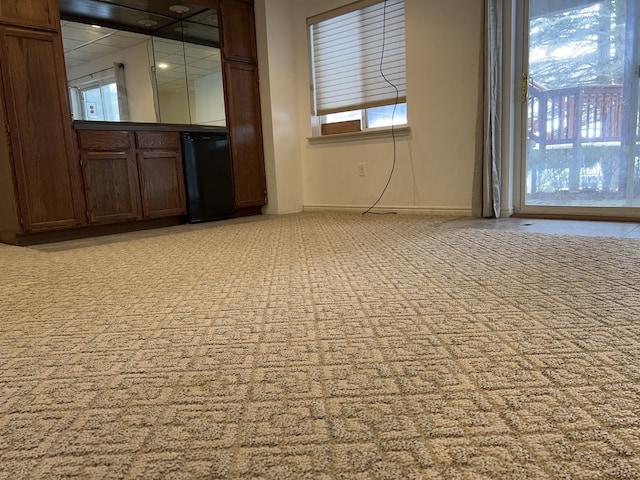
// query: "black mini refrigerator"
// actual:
[[207, 175]]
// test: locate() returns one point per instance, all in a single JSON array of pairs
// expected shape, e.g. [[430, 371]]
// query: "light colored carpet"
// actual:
[[322, 345]]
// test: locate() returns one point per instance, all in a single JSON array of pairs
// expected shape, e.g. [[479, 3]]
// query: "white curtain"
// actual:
[[123, 100], [488, 167]]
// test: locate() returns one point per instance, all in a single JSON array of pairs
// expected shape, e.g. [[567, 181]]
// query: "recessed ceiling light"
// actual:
[[179, 9], [163, 65], [147, 22]]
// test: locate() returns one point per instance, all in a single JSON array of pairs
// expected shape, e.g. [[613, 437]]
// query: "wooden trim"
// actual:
[[364, 135], [247, 212], [348, 126], [95, 231], [206, 3]]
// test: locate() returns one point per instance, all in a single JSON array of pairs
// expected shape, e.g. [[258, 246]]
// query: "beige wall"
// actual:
[[279, 84], [434, 168], [208, 104], [174, 107]]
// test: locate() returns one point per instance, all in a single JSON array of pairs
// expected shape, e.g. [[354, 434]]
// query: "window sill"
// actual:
[[400, 131]]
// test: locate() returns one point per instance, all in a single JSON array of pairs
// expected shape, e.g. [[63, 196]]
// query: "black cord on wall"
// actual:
[[393, 113]]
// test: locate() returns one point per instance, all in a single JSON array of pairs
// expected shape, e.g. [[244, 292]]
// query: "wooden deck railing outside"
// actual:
[[576, 115]]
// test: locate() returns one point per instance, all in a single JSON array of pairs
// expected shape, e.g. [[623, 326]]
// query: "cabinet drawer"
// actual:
[[104, 140], [158, 139]]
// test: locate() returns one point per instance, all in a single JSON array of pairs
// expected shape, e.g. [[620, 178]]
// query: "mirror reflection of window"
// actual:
[[100, 96], [116, 75], [99, 102]]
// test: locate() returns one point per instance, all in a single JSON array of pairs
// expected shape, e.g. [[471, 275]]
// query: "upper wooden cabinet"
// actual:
[[238, 32], [31, 13], [38, 119], [242, 100]]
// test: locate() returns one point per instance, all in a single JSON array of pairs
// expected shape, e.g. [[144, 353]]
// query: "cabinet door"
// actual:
[[39, 122], [162, 183], [111, 185], [238, 30], [245, 132], [31, 13]]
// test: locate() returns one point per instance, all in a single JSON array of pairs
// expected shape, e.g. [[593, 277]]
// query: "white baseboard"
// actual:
[[438, 211]]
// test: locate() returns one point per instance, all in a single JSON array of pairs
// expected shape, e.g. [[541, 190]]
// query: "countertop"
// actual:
[[159, 127]]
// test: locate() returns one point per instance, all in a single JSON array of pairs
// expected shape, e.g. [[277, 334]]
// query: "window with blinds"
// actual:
[[358, 57]]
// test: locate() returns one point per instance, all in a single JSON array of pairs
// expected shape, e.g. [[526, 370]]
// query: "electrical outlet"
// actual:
[[361, 170]]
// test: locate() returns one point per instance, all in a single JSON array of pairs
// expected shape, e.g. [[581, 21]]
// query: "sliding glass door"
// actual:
[[582, 134]]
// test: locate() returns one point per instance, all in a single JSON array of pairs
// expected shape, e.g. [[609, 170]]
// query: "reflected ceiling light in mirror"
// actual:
[[163, 65], [147, 22], [179, 9]]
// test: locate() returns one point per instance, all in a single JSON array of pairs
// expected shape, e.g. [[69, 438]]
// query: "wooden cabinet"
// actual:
[[242, 101], [37, 122], [51, 183], [238, 31], [161, 175], [110, 174], [31, 13], [245, 134], [131, 175]]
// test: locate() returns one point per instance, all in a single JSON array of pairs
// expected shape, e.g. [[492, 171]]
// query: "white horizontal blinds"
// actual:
[[347, 54]]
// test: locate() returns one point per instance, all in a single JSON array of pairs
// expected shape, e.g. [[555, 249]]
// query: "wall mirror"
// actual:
[[130, 64]]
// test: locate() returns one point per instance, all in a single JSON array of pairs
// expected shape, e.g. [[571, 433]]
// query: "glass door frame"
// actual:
[[520, 78]]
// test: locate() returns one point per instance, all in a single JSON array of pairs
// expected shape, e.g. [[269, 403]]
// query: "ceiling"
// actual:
[[84, 42], [197, 24]]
